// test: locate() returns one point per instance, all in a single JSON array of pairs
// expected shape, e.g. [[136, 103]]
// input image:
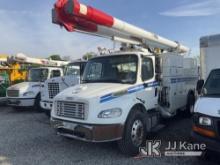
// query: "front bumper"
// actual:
[[212, 140], [211, 144], [46, 105], [21, 102], [88, 132]]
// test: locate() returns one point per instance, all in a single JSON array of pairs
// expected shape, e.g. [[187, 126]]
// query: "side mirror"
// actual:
[[199, 86]]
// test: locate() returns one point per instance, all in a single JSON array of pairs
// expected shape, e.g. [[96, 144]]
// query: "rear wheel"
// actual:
[[190, 105], [134, 134]]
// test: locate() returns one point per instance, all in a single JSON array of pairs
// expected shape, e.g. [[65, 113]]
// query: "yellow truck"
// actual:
[[10, 73]]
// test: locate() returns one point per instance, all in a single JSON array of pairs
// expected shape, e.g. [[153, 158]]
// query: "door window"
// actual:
[[55, 73], [147, 71]]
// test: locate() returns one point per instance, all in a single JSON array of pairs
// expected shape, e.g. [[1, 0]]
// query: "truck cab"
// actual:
[[122, 97], [206, 120], [72, 76], [27, 94]]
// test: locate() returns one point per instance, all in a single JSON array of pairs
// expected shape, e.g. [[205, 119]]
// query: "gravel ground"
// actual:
[[27, 138]]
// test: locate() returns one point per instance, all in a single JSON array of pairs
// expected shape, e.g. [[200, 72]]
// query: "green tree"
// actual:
[[55, 57], [89, 55]]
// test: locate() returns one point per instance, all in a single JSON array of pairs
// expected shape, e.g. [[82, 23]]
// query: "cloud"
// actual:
[[35, 35], [204, 8], [21, 12]]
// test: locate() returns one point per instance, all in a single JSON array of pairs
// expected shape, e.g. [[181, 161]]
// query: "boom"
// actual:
[[22, 58], [75, 16]]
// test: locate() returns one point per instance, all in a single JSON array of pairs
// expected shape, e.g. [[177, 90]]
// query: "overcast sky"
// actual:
[[25, 25]]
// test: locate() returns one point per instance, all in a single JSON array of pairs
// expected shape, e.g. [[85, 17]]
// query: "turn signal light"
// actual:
[[204, 132]]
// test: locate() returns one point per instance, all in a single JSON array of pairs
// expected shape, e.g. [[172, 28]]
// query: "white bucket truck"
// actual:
[[123, 94], [206, 128], [27, 94], [72, 76]]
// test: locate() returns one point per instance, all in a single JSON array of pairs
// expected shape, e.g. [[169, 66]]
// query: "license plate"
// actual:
[[13, 101]]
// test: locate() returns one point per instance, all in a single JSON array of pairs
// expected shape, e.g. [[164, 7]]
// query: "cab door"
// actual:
[[148, 96]]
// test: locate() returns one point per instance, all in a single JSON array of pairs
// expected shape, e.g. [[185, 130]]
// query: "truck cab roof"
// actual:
[[119, 53]]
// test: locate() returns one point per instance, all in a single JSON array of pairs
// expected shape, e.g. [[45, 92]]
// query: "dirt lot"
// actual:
[[27, 138]]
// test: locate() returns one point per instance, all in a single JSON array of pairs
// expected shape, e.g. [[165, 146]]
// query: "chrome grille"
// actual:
[[71, 110], [13, 93], [53, 89]]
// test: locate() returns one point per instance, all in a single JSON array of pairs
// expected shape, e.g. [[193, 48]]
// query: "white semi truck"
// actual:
[[123, 94], [72, 76], [206, 128], [27, 94]]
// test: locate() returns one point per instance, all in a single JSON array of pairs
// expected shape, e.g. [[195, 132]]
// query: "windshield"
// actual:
[[72, 70], [38, 75], [111, 69], [212, 85]]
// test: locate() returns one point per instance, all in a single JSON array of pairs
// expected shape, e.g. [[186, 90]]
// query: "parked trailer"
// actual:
[[123, 94], [206, 121]]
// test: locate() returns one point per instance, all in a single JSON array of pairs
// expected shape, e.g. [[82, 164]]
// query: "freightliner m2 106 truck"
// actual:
[[206, 128], [27, 94], [123, 94], [72, 76]]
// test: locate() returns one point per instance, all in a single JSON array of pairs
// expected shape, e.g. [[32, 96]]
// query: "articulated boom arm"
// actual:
[[44, 62], [78, 17]]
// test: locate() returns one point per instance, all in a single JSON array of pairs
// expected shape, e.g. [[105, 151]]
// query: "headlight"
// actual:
[[205, 121], [30, 93], [110, 113]]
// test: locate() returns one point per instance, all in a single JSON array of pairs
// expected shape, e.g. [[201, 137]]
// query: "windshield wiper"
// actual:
[[107, 81], [212, 94]]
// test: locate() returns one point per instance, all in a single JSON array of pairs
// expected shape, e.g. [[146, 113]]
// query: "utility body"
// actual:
[[123, 94]]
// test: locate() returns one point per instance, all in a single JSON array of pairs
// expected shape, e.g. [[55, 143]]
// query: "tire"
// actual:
[[190, 105], [135, 130], [37, 106]]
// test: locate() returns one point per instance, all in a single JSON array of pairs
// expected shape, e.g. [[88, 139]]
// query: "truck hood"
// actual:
[[92, 90], [24, 85], [208, 106], [66, 80]]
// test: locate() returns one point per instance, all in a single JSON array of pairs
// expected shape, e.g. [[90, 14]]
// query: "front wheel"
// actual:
[[134, 134]]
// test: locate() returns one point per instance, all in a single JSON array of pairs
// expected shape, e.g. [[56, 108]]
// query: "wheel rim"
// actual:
[[137, 132]]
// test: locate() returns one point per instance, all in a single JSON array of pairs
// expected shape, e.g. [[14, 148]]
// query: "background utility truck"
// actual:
[[123, 94], [11, 72], [206, 128], [72, 76], [27, 94]]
